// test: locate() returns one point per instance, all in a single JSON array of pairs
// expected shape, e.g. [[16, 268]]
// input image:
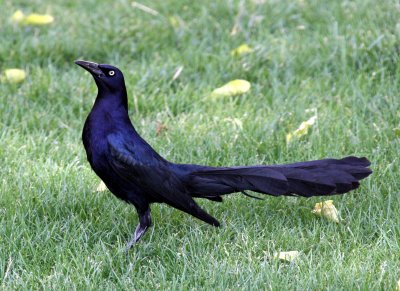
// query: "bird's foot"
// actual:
[[143, 226], [139, 232]]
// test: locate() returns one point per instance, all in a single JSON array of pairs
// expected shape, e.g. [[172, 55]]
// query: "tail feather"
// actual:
[[237, 179], [312, 178]]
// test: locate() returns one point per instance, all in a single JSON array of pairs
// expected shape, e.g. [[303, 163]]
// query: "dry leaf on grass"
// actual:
[[102, 187], [241, 50], [13, 75], [302, 130], [326, 209], [232, 88], [32, 19], [38, 19], [289, 256], [18, 16]]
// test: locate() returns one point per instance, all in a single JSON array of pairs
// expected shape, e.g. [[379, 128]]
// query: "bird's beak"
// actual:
[[91, 67]]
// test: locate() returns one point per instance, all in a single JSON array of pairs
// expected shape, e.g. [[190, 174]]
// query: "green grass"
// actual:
[[340, 57]]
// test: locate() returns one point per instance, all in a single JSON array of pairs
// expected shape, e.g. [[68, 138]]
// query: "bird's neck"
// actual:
[[112, 100]]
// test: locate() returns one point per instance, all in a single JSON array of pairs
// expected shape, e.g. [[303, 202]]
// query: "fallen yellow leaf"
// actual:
[[232, 88], [32, 19], [287, 256], [241, 50], [398, 286], [302, 130], [38, 19], [326, 209], [102, 187], [14, 75], [18, 16]]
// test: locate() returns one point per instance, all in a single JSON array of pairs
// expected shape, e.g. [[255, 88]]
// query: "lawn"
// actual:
[[336, 59]]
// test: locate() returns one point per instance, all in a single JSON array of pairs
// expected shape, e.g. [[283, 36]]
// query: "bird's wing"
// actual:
[[140, 165]]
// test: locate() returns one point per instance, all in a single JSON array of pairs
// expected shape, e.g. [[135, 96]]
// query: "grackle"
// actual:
[[136, 173]]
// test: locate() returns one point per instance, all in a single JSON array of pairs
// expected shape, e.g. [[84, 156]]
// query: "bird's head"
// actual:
[[107, 77]]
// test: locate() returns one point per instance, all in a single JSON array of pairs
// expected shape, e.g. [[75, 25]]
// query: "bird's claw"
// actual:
[[139, 232]]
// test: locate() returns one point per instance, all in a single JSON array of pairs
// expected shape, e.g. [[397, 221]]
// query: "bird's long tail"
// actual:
[[313, 178]]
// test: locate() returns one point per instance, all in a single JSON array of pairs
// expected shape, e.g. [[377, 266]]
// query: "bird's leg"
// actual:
[[144, 224]]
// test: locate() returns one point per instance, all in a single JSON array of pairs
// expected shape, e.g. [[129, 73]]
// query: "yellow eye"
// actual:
[[111, 73]]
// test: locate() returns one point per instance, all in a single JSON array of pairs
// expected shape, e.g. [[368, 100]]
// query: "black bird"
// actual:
[[136, 173]]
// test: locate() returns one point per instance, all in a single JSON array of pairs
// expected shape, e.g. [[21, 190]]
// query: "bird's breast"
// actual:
[[95, 144]]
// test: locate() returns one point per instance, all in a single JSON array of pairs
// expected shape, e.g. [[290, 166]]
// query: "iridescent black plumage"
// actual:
[[134, 172]]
